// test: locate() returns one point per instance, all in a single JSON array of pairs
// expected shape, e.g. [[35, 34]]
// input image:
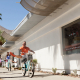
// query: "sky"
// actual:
[[12, 13]]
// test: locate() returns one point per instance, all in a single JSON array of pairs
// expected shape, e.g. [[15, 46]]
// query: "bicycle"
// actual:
[[28, 66]]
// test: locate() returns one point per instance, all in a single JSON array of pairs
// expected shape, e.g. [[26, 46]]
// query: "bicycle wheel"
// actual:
[[33, 72], [23, 72], [30, 74]]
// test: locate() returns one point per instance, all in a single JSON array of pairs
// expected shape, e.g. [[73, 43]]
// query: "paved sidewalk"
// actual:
[[17, 75]]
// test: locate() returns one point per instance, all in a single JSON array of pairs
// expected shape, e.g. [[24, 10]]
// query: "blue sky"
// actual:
[[12, 13]]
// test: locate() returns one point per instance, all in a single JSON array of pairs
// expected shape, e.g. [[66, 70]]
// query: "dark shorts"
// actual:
[[24, 60]]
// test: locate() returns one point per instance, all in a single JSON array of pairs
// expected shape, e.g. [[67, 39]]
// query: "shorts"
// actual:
[[24, 58]]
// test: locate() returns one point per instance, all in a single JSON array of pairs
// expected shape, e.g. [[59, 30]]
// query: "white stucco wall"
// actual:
[[46, 39]]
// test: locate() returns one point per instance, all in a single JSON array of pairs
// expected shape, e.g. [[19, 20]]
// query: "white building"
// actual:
[[55, 38]]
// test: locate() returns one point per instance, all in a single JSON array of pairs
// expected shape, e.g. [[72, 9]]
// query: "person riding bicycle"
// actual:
[[8, 57], [24, 49]]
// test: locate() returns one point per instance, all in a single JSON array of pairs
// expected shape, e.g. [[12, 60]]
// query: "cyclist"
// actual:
[[8, 63], [24, 49]]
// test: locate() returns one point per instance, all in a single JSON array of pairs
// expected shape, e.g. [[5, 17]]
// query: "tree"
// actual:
[[0, 17], [2, 40]]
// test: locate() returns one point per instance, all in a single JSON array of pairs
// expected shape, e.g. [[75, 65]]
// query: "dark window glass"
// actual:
[[71, 38]]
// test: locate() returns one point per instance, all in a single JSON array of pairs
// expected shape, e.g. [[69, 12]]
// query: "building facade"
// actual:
[[54, 38]]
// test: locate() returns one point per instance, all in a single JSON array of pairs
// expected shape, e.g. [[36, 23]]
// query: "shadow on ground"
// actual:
[[37, 76]]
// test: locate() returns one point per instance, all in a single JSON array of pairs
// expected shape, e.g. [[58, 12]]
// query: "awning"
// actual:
[[1, 51], [9, 37], [8, 44], [29, 21], [42, 7], [3, 48]]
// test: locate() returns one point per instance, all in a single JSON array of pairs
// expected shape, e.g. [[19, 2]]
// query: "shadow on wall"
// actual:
[[55, 59], [60, 61], [66, 62], [39, 67], [72, 62]]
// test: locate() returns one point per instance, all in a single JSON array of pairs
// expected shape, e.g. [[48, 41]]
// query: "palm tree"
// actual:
[[0, 17], [2, 40]]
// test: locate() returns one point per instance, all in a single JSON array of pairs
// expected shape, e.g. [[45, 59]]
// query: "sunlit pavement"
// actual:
[[17, 75]]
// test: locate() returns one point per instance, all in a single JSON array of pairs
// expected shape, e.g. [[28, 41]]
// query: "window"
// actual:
[[71, 38]]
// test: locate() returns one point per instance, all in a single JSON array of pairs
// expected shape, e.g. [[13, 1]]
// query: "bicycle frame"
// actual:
[[28, 66]]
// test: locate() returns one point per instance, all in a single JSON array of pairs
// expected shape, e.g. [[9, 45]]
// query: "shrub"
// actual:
[[3, 66], [34, 61], [13, 66], [19, 68], [54, 70], [64, 73], [75, 72], [72, 74]]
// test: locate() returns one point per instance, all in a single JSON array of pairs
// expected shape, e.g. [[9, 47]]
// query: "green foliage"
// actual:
[[64, 73], [54, 70], [34, 61], [0, 17], [0, 14], [13, 66], [72, 74], [2, 40], [19, 68], [3, 66], [75, 72]]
